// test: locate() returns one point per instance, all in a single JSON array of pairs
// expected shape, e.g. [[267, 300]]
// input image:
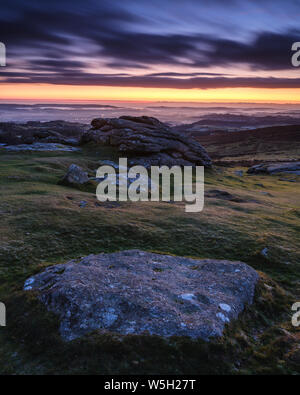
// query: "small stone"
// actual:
[[225, 307], [222, 316], [264, 252], [239, 173], [189, 297], [268, 287], [28, 282], [74, 177]]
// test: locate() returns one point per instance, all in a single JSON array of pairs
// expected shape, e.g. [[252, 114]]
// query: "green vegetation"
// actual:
[[42, 224]]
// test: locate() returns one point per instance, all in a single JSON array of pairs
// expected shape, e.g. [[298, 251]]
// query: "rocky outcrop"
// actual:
[[272, 168], [61, 132], [147, 141], [74, 177], [134, 292]]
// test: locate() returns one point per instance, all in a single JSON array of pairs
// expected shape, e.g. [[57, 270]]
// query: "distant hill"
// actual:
[[236, 122], [276, 142]]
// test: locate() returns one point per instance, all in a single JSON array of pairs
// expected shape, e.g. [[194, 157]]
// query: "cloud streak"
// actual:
[[149, 81], [56, 42]]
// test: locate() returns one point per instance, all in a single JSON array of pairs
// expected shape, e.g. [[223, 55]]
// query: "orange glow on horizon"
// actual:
[[74, 92]]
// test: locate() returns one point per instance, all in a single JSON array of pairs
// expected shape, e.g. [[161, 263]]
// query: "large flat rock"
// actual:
[[132, 292]]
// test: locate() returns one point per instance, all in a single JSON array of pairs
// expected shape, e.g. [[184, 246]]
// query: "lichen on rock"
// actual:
[[125, 293]]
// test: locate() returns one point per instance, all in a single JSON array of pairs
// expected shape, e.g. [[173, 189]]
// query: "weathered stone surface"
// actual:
[[272, 168], [134, 292], [75, 176], [148, 141]]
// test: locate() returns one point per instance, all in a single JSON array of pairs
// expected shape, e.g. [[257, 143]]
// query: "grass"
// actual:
[[42, 224]]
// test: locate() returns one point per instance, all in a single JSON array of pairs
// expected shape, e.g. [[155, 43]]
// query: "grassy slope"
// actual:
[[41, 223], [268, 144]]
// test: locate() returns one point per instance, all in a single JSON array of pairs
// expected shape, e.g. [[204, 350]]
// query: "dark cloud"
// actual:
[[172, 74], [147, 48], [45, 39], [148, 81], [268, 51], [57, 64], [126, 65]]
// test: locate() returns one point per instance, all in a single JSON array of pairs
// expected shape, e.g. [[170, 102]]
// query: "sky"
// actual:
[[166, 50]]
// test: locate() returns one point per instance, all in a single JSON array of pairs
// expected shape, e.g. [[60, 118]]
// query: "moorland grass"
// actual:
[[42, 224]]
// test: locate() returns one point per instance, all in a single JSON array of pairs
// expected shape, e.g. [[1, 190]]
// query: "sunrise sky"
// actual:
[[169, 50]]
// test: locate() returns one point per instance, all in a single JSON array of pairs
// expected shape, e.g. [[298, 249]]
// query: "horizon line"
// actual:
[[46, 101]]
